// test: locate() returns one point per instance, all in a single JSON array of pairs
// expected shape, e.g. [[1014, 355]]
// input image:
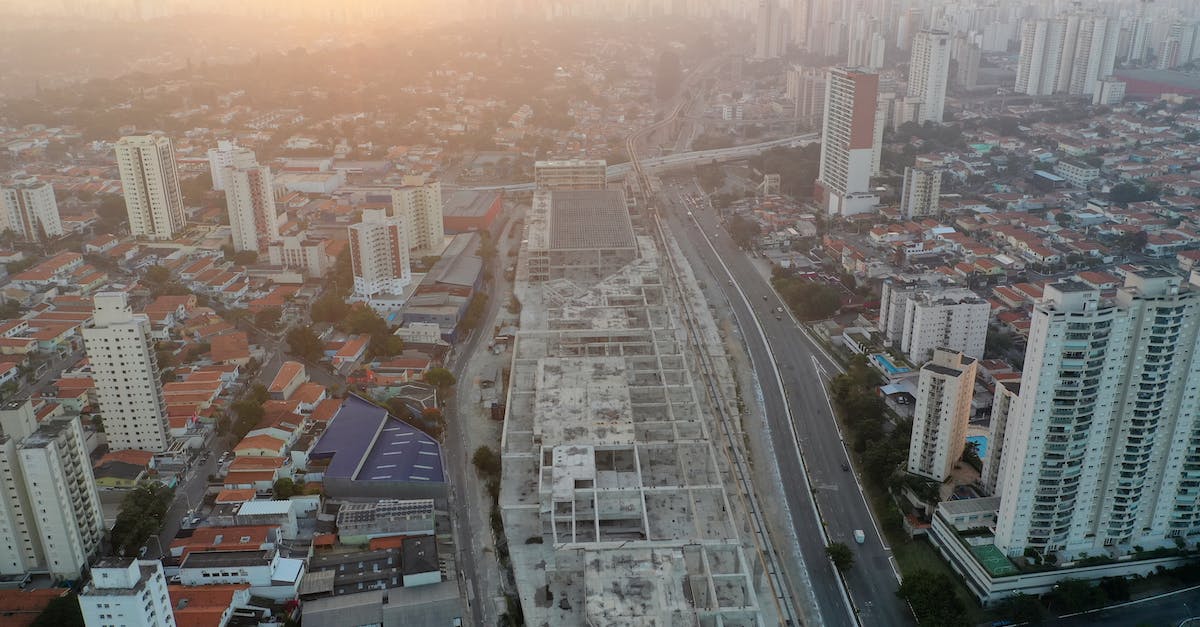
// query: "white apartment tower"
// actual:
[[420, 207], [150, 182], [250, 199], [922, 192], [1102, 447], [928, 73], [127, 592], [1095, 54], [1005, 397], [771, 30], [379, 255], [954, 320], [850, 148], [49, 506], [30, 211], [228, 155], [1041, 52], [943, 409], [125, 369]]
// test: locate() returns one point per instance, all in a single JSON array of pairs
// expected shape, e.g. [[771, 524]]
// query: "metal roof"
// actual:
[[367, 444]]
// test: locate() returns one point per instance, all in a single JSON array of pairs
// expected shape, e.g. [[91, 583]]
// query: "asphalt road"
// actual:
[[796, 380], [1167, 611]]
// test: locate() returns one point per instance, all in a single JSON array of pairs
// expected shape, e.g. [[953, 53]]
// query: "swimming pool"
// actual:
[[887, 364], [981, 440]]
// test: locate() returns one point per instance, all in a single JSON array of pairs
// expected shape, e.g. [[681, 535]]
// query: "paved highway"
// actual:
[[793, 373]]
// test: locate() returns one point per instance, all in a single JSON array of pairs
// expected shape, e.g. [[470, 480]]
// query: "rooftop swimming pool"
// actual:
[[981, 441], [887, 364]]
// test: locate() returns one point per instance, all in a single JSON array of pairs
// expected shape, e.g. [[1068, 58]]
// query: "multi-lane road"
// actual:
[[792, 373]]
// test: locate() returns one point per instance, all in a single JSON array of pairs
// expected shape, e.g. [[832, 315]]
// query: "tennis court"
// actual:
[[996, 563]]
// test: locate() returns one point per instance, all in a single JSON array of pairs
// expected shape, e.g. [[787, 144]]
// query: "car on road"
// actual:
[[845, 466], [764, 297], [859, 536]]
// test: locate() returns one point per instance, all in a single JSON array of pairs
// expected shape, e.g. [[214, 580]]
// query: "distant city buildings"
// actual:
[[120, 348], [30, 211], [772, 30], [852, 133], [1066, 55], [379, 254], [921, 195], [806, 87], [250, 200], [150, 183], [928, 74], [943, 409]]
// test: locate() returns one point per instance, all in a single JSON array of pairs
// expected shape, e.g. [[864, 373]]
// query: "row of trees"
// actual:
[[809, 300], [142, 514]]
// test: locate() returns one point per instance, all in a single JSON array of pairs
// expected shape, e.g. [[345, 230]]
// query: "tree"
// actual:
[[932, 598], [142, 514], [329, 308], [1022, 608], [305, 343], [268, 318], [841, 555], [1078, 595], [440, 378], [111, 212], [487, 462], [285, 489], [398, 408], [743, 230], [62, 611], [1115, 588]]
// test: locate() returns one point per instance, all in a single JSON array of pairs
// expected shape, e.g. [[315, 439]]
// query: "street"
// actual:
[[1166, 611], [793, 374]]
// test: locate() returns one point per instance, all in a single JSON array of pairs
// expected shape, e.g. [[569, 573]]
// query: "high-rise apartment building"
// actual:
[[967, 54], [918, 319], [150, 183], [850, 145], [771, 30], [570, 174], [1180, 46], [1095, 53], [945, 389], [228, 155], [420, 207], [49, 506], [250, 199], [1102, 447], [928, 73], [1005, 396], [125, 369], [30, 211], [127, 592], [806, 87], [1041, 52], [1069, 54], [922, 192], [379, 255]]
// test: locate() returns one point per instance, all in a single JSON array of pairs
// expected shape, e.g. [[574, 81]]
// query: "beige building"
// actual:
[[420, 208], [943, 409], [150, 183], [571, 174]]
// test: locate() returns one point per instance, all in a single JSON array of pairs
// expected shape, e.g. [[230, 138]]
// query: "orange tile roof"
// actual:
[[308, 393], [21, 607], [130, 456], [287, 372], [352, 348], [202, 606], [326, 409], [249, 476], [235, 496], [230, 346], [261, 441], [244, 464]]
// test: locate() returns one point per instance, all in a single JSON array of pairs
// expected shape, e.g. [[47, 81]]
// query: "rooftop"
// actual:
[[589, 219], [367, 444]]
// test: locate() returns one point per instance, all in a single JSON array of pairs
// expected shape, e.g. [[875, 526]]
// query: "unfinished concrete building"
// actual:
[[578, 235], [613, 497]]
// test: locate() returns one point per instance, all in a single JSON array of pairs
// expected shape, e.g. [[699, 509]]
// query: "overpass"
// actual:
[[680, 160]]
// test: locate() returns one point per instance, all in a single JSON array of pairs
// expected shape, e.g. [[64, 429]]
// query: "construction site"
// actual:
[[624, 496]]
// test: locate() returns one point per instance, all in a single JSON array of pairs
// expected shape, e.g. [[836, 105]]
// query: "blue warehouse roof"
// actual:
[[367, 444]]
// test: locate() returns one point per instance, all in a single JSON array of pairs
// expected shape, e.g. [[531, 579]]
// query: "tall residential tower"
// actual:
[[150, 182]]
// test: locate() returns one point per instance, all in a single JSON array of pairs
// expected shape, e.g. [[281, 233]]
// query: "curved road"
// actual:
[[792, 373]]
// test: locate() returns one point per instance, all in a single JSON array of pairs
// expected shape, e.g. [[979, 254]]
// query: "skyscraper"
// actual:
[[30, 211], [922, 192], [150, 182], [420, 207], [1041, 51], [379, 255], [771, 30], [49, 507], [928, 71], [806, 86], [1095, 54], [227, 155], [250, 199], [943, 409], [1102, 447], [125, 370], [849, 147]]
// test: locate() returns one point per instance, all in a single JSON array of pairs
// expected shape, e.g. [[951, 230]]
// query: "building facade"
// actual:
[[928, 73], [30, 211], [150, 184], [300, 253], [126, 592], [570, 174], [125, 369], [954, 320], [379, 255], [420, 207], [922, 193], [228, 155], [250, 199], [943, 409], [851, 146]]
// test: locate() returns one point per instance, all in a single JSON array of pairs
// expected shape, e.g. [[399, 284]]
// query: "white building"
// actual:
[[250, 199], [228, 155], [300, 253], [125, 369], [126, 592], [771, 30], [49, 507], [379, 255], [1069, 54], [922, 320], [570, 174], [1005, 396], [30, 211], [806, 87], [1077, 174], [922, 192], [851, 146], [1109, 91], [1095, 53], [942, 411], [1102, 449], [928, 73], [1041, 53], [150, 183], [420, 207]]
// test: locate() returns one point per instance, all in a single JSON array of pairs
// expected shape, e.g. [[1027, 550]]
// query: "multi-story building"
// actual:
[[928, 72], [150, 183], [1180, 45], [1077, 174], [1102, 447], [968, 55], [379, 255], [1095, 53], [420, 207], [49, 506], [1041, 52], [250, 199], [922, 192], [300, 253], [1109, 91], [1070, 54], [127, 592], [228, 155], [806, 87], [564, 174], [851, 145], [953, 320], [30, 211], [125, 369], [1002, 402], [943, 409], [771, 30]]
